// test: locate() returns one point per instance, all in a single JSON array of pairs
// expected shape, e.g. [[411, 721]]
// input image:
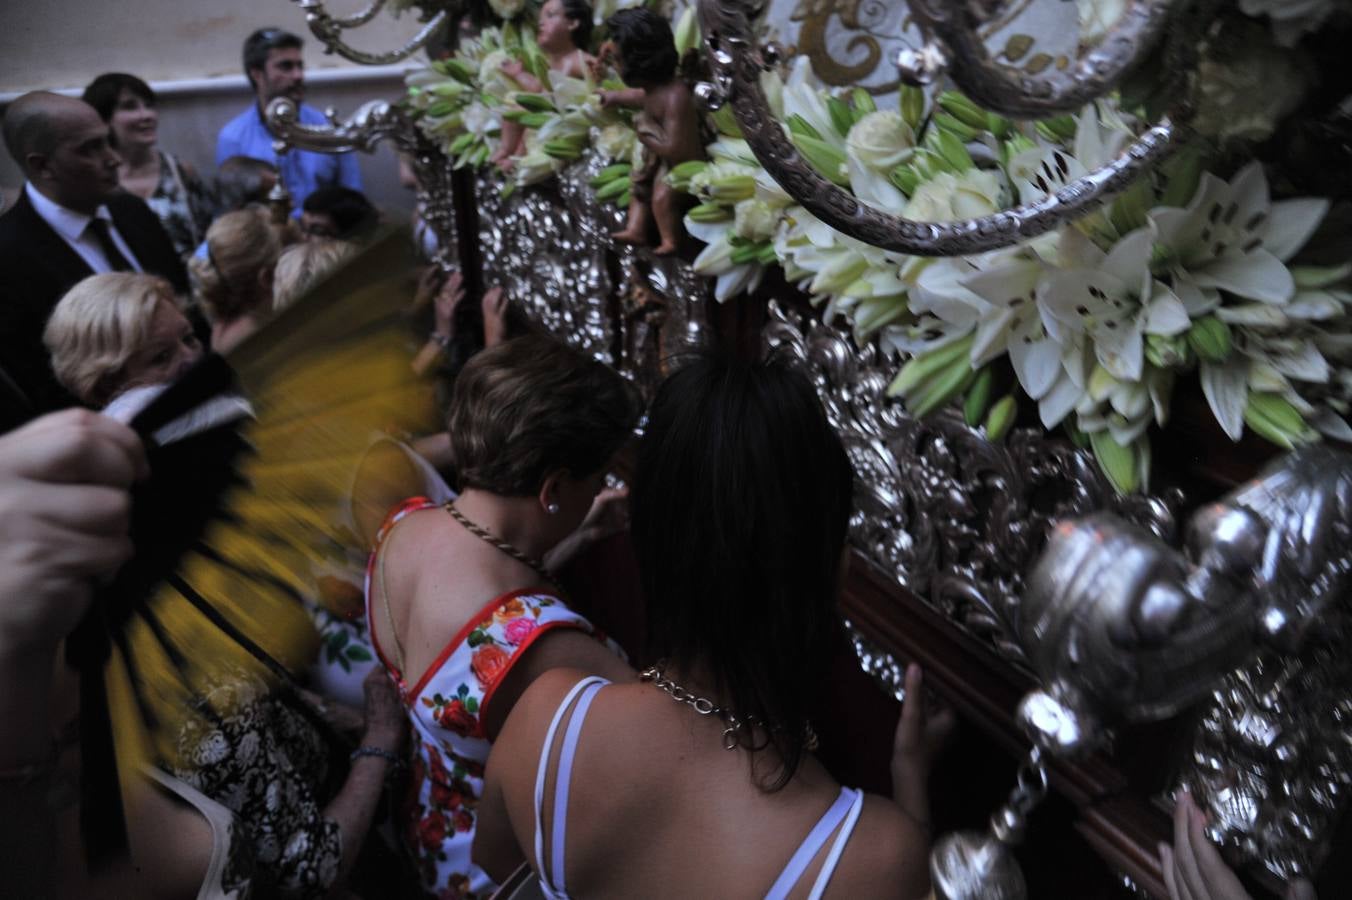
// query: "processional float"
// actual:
[[1023, 543]]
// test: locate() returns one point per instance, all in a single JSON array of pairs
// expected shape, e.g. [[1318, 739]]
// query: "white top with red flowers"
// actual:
[[446, 707]]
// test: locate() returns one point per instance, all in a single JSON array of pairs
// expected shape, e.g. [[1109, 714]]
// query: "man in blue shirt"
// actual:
[[273, 64]]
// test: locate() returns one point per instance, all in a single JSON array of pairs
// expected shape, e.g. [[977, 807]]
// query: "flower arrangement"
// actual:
[[1186, 274]]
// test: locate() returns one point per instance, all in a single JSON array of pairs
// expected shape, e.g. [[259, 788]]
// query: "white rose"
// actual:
[[754, 220], [881, 140], [946, 197]]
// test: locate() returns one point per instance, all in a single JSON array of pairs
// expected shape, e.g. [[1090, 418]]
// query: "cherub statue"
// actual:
[[668, 125], [563, 32]]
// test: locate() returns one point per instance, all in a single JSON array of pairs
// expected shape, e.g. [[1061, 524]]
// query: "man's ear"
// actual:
[[35, 164], [255, 76]]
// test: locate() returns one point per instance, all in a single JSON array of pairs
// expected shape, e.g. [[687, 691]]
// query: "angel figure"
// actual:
[[563, 32], [668, 123]]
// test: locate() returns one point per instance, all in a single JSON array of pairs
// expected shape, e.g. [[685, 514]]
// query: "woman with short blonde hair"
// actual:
[[302, 266], [115, 331], [234, 279]]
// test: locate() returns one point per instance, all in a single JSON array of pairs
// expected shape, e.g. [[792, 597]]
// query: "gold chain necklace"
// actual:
[[520, 556], [706, 707]]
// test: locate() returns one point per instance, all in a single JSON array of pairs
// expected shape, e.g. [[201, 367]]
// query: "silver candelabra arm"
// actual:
[[329, 30], [1122, 627], [372, 123], [736, 64], [958, 50]]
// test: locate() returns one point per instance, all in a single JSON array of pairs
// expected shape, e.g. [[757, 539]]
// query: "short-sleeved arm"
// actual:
[[225, 146]]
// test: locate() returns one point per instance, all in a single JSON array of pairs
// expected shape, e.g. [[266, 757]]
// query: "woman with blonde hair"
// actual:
[[234, 278], [302, 266], [116, 331]]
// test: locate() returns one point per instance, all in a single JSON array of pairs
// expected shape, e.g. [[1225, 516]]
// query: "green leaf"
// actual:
[[476, 637], [358, 653], [471, 705]]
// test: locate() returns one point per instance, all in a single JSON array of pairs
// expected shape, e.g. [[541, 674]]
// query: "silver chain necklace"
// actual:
[[706, 707]]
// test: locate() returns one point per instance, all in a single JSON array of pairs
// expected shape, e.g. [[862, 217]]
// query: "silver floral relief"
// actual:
[[435, 197], [955, 519], [536, 248], [1272, 753], [549, 245]]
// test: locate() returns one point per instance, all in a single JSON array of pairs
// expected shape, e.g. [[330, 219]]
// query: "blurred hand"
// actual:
[[919, 738], [64, 515], [1193, 868], [447, 299], [429, 282], [495, 317], [385, 722], [609, 98], [512, 68], [609, 514]]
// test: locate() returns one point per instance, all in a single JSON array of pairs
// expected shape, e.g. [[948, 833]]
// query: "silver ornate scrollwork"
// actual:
[[954, 518], [1121, 627], [736, 66], [546, 261], [373, 122], [549, 246], [329, 30], [955, 26], [887, 671]]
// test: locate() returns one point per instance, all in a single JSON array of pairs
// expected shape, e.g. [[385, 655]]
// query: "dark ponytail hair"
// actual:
[[739, 509]]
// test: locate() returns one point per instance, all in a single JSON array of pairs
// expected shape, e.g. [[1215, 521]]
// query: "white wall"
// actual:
[[64, 44]]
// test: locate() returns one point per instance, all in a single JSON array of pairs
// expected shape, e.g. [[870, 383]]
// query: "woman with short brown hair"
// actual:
[[463, 610]]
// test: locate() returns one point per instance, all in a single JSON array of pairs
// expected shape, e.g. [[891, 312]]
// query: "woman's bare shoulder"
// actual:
[[887, 855]]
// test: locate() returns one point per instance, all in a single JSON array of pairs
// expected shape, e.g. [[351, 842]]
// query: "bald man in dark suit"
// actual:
[[71, 221]]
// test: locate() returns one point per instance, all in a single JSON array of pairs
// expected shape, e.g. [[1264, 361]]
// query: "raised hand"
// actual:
[[919, 738]]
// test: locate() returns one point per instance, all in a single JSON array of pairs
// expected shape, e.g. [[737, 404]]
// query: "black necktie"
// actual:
[[110, 252]]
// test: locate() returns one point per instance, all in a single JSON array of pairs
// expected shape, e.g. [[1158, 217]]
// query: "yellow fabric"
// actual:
[[321, 376]]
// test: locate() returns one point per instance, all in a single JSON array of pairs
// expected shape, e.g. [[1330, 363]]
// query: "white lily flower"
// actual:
[[715, 260], [1100, 134], [1231, 237], [1116, 303], [802, 96], [1097, 18], [1071, 383], [1012, 324]]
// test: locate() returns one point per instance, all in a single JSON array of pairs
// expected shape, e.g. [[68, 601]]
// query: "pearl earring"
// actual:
[[552, 508]]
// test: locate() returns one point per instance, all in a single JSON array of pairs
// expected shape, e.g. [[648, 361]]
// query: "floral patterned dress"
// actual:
[[183, 204], [446, 707]]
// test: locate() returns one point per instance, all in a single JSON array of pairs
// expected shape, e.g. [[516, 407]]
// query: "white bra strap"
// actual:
[[544, 767], [837, 847]]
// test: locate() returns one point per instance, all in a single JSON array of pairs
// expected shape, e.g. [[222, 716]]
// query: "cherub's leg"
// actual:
[[667, 212], [640, 217], [513, 137]]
